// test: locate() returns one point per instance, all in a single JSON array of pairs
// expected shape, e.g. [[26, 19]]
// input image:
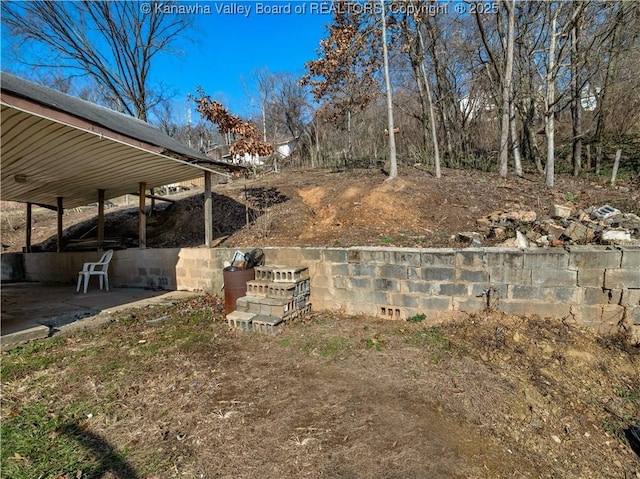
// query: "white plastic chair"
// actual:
[[99, 269]]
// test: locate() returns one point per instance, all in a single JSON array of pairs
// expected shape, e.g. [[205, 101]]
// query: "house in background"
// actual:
[[282, 150]]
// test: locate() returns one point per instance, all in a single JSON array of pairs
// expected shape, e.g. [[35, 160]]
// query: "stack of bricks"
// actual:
[[278, 294]]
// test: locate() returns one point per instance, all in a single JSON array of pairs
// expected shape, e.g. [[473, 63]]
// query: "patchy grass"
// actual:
[[168, 392]]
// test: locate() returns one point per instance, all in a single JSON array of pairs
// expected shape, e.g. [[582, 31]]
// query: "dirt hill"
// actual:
[[328, 208], [490, 396]]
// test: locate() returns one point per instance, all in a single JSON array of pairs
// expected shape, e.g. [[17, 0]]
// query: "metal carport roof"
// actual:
[[55, 145]]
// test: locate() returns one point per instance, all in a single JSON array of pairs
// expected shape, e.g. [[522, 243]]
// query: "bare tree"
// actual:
[[393, 169], [114, 43]]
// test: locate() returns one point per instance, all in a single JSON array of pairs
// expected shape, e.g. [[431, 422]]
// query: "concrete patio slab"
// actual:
[[33, 310]]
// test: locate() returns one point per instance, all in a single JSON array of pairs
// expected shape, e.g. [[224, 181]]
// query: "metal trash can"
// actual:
[[235, 285]]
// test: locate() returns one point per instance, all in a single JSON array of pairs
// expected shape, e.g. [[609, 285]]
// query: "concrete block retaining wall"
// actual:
[[598, 286]]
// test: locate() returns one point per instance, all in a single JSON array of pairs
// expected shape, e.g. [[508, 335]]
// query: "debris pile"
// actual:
[[564, 225]]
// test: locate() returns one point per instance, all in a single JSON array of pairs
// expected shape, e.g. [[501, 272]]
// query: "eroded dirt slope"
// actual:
[[325, 208]]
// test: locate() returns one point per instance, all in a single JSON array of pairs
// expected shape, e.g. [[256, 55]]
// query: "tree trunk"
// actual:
[[432, 115], [393, 170], [576, 110], [517, 160], [549, 126], [506, 91]]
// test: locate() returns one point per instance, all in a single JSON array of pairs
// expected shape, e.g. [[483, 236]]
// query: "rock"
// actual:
[[498, 233], [521, 216], [630, 221], [578, 232], [559, 211], [521, 240], [552, 229], [556, 243], [543, 241], [616, 234], [483, 222], [474, 239]]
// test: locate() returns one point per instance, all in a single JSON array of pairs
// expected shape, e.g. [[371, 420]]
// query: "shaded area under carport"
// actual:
[[34, 310]]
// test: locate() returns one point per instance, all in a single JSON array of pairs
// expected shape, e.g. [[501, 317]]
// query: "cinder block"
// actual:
[[301, 301], [469, 305], [242, 304], [297, 313], [302, 287], [264, 273], [365, 296], [240, 320], [622, 279], [587, 315], [404, 300], [384, 284], [591, 278], [507, 275], [358, 269], [453, 289], [439, 258], [470, 257], [257, 288], [335, 255], [554, 278], [438, 274], [631, 297], [545, 310], [311, 254], [407, 258], [359, 283], [424, 287], [589, 257], [545, 259], [353, 256], [473, 276], [538, 294], [438, 303], [375, 256], [266, 324], [497, 290], [393, 271], [630, 258], [287, 274], [601, 296], [340, 269], [281, 290], [504, 259]]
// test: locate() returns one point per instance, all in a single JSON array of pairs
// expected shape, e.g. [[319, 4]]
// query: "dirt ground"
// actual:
[[488, 396], [326, 208], [176, 393]]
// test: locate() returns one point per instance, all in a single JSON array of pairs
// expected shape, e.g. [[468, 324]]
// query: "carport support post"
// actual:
[[28, 230], [60, 213], [208, 210], [142, 219], [100, 220]]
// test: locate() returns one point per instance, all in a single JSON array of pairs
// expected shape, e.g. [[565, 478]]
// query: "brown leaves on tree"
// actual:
[[349, 58], [245, 133]]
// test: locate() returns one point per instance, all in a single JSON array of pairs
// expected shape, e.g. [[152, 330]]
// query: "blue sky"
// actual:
[[230, 47], [231, 39]]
